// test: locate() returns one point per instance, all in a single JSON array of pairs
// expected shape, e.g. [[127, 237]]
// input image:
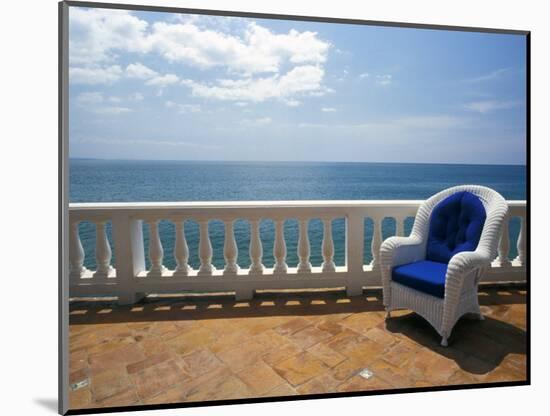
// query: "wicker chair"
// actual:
[[435, 271]]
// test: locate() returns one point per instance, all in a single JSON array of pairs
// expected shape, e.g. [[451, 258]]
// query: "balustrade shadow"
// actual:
[[189, 307], [224, 307]]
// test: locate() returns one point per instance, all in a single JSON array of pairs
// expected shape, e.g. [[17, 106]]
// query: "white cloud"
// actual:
[[148, 142], [183, 108], [189, 108], [328, 109], [385, 79], [269, 65], [87, 98], [257, 122], [258, 50], [491, 105], [292, 103], [136, 96], [488, 77], [364, 75], [112, 110], [431, 122], [140, 71], [95, 75], [241, 104], [301, 79], [96, 34], [163, 80], [321, 91], [417, 123], [93, 101]]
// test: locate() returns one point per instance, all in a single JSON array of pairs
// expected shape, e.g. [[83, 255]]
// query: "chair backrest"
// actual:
[[456, 224], [495, 206]]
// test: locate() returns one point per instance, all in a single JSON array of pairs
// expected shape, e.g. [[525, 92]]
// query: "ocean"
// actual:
[[133, 181]]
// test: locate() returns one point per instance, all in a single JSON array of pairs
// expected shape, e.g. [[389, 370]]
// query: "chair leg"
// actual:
[[480, 317], [388, 314], [444, 342]]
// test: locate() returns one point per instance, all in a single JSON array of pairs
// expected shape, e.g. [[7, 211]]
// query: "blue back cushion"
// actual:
[[456, 224]]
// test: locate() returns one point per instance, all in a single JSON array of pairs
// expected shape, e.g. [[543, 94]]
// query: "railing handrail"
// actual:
[[117, 206]]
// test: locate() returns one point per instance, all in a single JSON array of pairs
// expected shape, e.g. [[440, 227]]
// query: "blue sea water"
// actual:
[[134, 181]]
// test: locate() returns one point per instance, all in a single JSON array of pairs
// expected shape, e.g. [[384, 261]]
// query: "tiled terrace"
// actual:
[[168, 350]]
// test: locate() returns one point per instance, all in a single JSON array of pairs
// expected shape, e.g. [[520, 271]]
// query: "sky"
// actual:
[[165, 86]]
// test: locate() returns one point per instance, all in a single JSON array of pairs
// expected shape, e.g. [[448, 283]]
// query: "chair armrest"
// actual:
[[466, 260], [396, 251], [462, 265]]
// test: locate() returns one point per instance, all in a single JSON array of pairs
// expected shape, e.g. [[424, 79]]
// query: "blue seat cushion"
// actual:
[[425, 276], [456, 224]]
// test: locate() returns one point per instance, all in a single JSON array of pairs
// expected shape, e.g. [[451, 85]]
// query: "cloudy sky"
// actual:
[[149, 85]]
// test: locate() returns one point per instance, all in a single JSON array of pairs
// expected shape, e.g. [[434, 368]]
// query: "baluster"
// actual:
[[230, 250], [504, 245], [376, 242], [103, 252], [181, 251], [156, 252], [205, 250], [303, 248], [400, 226], [279, 248], [76, 253], [256, 250], [328, 247], [355, 240], [520, 259]]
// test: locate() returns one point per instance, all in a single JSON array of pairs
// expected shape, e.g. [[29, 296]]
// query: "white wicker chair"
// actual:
[[463, 270]]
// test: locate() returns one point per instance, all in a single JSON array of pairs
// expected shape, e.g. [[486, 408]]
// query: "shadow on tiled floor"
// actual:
[[264, 304], [224, 307], [476, 346]]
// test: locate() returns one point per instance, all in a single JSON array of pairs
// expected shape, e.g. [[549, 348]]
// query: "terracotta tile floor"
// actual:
[[168, 350]]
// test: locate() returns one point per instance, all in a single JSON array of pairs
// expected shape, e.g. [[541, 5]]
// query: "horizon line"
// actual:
[[295, 161]]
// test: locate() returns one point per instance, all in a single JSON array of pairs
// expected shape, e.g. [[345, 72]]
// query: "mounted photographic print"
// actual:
[[266, 208]]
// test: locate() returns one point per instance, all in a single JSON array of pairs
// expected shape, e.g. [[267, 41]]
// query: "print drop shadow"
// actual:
[[50, 404]]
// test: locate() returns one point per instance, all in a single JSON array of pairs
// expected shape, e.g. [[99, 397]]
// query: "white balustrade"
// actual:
[[304, 266], [156, 252], [103, 252], [256, 250], [76, 252], [279, 248], [376, 242], [504, 246], [131, 281], [181, 251], [327, 247], [230, 250], [205, 250], [520, 259], [400, 226]]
